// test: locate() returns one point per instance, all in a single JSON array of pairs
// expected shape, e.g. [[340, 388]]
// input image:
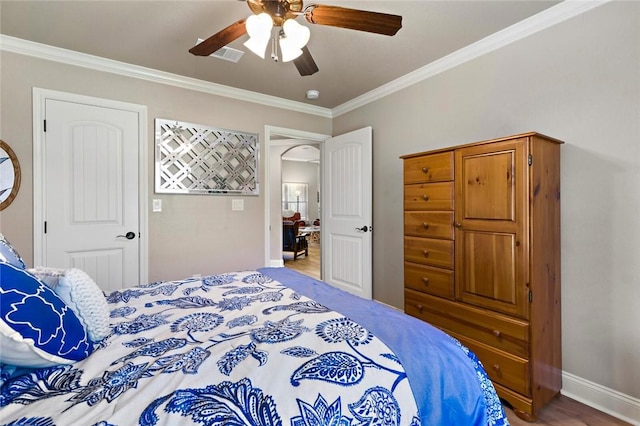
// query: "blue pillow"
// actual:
[[37, 329], [9, 254]]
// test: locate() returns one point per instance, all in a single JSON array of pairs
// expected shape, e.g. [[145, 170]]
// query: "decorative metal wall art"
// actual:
[[198, 159], [9, 175]]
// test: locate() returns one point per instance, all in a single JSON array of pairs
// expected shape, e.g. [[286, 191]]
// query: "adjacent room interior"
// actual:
[[301, 195]]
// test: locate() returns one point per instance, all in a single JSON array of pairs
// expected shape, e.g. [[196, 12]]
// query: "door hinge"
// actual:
[[45, 126], [530, 159], [530, 296], [45, 226]]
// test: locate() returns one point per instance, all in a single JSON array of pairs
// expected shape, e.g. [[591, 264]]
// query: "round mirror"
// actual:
[[9, 175]]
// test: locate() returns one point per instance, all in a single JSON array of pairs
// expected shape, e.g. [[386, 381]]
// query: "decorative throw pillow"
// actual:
[[37, 329], [49, 276], [8, 254], [83, 295]]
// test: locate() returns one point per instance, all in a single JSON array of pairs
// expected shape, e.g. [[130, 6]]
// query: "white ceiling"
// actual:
[[158, 35]]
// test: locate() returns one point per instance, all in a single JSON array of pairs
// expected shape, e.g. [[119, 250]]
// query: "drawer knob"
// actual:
[[496, 367], [425, 280], [420, 307], [425, 225], [425, 169], [425, 197], [496, 333], [426, 253]]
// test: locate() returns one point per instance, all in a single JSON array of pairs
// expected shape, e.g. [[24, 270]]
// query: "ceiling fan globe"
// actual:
[[259, 30], [293, 38]]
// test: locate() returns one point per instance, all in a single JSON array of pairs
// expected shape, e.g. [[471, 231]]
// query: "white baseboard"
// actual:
[[276, 263], [607, 400]]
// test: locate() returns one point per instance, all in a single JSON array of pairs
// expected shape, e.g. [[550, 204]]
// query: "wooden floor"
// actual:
[[308, 265], [562, 411]]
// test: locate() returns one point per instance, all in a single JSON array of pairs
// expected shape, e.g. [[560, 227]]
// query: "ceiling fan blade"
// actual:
[[353, 19], [220, 39], [305, 63]]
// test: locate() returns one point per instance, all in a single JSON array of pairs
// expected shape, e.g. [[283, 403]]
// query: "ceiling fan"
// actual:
[[282, 13]]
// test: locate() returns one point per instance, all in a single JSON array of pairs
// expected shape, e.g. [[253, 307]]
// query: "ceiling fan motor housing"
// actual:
[[279, 10]]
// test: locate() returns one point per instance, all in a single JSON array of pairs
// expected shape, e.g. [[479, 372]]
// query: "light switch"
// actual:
[[157, 205], [237, 204]]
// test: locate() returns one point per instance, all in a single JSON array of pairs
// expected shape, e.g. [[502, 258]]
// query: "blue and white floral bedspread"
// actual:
[[231, 349]]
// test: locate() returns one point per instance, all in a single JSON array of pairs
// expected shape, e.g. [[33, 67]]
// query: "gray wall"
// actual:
[[193, 233], [578, 81]]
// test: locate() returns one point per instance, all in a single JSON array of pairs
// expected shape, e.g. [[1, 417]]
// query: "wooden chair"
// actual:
[[292, 240]]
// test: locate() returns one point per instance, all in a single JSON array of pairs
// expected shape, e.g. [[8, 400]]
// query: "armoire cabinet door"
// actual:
[[491, 242]]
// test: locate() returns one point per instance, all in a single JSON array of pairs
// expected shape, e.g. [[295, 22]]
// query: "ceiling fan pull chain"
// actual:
[[274, 47]]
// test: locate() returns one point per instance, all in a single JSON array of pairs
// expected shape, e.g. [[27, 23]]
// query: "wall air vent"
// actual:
[[227, 53]]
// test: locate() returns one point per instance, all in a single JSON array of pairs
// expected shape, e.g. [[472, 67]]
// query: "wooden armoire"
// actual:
[[482, 258]]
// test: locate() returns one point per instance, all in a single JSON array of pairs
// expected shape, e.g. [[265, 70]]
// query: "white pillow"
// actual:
[[85, 298]]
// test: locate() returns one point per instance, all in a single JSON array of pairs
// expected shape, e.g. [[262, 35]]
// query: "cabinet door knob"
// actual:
[[457, 224], [425, 280], [496, 333], [425, 169], [425, 225], [426, 253], [425, 197]]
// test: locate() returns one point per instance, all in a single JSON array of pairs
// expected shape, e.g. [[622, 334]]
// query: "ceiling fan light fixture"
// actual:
[[293, 38], [257, 45], [259, 30], [298, 34], [289, 50]]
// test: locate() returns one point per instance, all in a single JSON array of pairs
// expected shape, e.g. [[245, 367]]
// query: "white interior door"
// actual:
[[346, 212], [91, 191]]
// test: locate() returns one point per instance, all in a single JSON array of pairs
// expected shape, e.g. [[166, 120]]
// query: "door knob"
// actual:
[[363, 229], [129, 235]]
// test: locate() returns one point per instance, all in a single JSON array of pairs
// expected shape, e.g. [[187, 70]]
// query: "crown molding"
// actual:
[[545, 19], [70, 57]]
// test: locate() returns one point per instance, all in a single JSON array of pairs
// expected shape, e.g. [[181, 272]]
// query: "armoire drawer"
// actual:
[[431, 280], [499, 331], [429, 196], [429, 224], [508, 370], [429, 168], [429, 251]]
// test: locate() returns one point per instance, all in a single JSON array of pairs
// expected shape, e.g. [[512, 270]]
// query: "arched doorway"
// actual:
[[300, 200]]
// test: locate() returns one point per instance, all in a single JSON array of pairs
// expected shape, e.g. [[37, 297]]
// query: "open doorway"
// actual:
[[278, 142], [300, 195], [345, 217]]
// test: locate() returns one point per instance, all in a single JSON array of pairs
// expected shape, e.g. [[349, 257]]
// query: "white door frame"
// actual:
[[39, 98], [305, 138]]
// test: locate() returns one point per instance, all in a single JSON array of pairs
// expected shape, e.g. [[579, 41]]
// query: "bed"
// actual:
[[264, 347]]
